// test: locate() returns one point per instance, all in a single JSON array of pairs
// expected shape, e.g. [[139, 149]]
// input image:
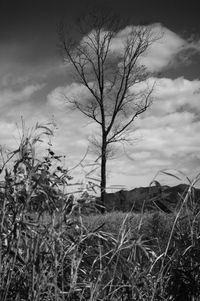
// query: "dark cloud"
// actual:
[[29, 39], [20, 17], [30, 27]]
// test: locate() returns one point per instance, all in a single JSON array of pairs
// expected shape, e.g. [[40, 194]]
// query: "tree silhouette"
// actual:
[[107, 62]]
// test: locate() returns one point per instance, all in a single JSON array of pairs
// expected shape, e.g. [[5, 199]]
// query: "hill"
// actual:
[[164, 198]]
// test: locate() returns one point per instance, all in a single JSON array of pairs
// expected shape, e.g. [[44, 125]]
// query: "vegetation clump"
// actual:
[[50, 251]]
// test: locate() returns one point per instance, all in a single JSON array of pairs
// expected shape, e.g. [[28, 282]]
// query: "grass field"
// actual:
[[47, 253]]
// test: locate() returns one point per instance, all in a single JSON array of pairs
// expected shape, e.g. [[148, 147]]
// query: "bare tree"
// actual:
[[107, 62]]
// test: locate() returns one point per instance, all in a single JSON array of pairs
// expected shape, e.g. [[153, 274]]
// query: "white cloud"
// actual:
[[174, 120], [141, 155], [161, 53], [167, 133], [171, 95], [170, 128], [60, 95]]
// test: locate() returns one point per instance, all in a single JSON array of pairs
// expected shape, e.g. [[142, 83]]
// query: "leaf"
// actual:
[[93, 179], [99, 227], [161, 206], [48, 131], [171, 175], [156, 183]]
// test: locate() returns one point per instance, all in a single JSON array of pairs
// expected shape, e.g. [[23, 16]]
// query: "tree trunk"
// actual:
[[103, 173]]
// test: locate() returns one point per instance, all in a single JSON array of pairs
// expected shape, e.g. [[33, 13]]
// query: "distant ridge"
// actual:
[[153, 198]]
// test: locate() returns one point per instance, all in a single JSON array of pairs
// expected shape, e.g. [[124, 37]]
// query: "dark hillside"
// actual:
[[164, 198]]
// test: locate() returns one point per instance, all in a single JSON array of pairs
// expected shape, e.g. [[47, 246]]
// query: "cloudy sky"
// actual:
[[33, 79]]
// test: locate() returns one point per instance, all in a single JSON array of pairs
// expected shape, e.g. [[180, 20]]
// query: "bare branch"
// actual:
[[140, 109], [107, 62]]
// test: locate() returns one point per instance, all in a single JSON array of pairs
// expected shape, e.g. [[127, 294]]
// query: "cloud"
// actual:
[[179, 94], [24, 64], [60, 95], [8, 132], [141, 155], [170, 140], [171, 95], [169, 129], [8, 96], [168, 48], [173, 120], [167, 133], [164, 50]]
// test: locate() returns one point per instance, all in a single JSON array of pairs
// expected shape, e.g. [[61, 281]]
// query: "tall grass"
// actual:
[[50, 250]]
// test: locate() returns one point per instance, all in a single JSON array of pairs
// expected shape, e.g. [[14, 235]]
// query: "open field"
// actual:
[[115, 256]]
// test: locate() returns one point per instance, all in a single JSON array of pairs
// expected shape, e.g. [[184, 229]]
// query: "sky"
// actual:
[[33, 79]]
